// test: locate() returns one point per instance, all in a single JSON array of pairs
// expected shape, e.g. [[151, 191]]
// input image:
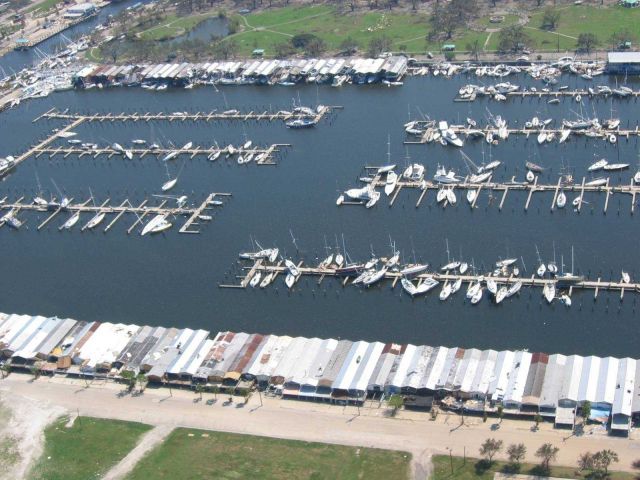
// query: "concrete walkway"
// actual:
[[147, 443]]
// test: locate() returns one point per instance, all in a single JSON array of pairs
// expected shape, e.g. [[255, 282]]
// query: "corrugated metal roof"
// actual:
[[623, 57], [384, 365], [553, 381], [484, 373], [606, 386], [498, 384], [625, 387], [319, 363], [334, 365], [571, 379], [589, 379], [517, 378]]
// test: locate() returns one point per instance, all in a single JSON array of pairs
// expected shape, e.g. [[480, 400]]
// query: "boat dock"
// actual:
[[265, 156], [212, 116], [551, 94], [196, 215], [597, 286], [502, 189], [481, 133]]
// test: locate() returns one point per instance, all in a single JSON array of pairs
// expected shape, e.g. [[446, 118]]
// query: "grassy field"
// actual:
[[195, 454], [43, 6], [86, 450], [472, 469], [173, 26]]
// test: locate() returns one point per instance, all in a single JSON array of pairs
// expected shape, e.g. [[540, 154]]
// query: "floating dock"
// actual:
[[196, 215], [551, 94], [263, 267], [501, 189]]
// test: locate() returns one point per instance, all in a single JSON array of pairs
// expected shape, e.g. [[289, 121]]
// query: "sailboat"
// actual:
[[157, 224], [501, 294], [445, 292], [95, 221], [293, 269], [561, 201], [392, 180], [549, 291], [71, 221], [266, 280], [255, 279], [492, 286], [477, 296], [626, 278]]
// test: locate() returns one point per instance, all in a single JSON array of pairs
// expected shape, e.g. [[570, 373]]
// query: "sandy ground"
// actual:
[[25, 429], [368, 426], [150, 440]]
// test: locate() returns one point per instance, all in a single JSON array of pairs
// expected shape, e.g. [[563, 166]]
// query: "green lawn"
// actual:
[[86, 450], [196, 454], [473, 469], [43, 6], [173, 26], [576, 19]]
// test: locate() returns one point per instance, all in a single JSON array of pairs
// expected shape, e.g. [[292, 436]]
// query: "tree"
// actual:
[[6, 370], [489, 448], [377, 45], [586, 410], [283, 49], [226, 49], [199, 390], [142, 380], [550, 18], [537, 418], [130, 379], [618, 39], [446, 18], [516, 453], [302, 40], [500, 412], [603, 459], [547, 453], [35, 370], [395, 402], [315, 47], [349, 45], [513, 39], [586, 42], [585, 461], [215, 390], [474, 48]]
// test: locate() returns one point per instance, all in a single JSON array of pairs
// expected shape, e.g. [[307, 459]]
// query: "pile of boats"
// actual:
[[416, 279], [501, 91], [496, 129]]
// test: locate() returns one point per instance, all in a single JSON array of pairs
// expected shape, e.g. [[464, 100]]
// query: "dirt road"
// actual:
[[368, 426]]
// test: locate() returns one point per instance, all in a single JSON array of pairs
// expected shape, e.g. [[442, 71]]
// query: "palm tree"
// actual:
[[6, 370], [142, 381], [199, 390]]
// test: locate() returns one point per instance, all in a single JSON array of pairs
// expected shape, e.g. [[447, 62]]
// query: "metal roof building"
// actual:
[[290, 357], [102, 349], [553, 382], [535, 380], [589, 379], [622, 407], [333, 368], [383, 368], [138, 347], [309, 382], [269, 358], [568, 395], [44, 339], [517, 380], [498, 384]]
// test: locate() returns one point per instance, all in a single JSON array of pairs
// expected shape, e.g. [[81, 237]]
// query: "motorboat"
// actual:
[[71, 221], [448, 135], [455, 286], [95, 221], [599, 165], [10, 219], [549, 291], [480, 177], [39, 201], [616, 166], [392, 180], [626, 278], [414, 172], [386, 169], [293, 269], [507, 262], [451, 196], [169, 185], [442, 176], [513, 289], [413, 270], [596, 182], [266, 280], [450, 266], [375, 277], [157, 224], [533, 167], [501, 294], [290, 280], [477, 296], [530, 176], [445, 292], [561, 201], [255, 280]]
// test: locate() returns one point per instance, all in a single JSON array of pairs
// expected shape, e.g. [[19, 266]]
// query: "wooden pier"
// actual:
[[551, 94], [196, 215], [503, 188], [394, 275], [211, 116]]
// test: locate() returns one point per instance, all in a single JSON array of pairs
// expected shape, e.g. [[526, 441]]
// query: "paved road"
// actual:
[[369, 426]]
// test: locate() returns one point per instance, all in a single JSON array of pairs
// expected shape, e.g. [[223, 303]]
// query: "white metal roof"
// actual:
[[417, 370], [571, 380], [498, 385], [30, 327], [607, 378], [319, 363], [623, 57], [269, 360], [517, 377], [484, 372], [301, 368], [589, 379], [365, 368], [190, 348], [437, 367], [106, 343], [625, 387], [350, 366], [403, 366], [29, 348], [472, 357], [291, 356]]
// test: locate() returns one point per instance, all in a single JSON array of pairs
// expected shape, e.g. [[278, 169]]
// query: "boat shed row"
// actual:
[[520, 382], [359, 70]]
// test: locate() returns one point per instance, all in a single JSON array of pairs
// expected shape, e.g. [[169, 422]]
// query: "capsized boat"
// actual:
[[375, 277], [533, 167]]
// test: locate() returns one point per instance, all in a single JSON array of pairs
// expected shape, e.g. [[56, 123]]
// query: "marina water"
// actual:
[[172, 279]]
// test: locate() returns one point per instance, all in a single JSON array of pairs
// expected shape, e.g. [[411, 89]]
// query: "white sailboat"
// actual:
[[477, 296], [471, 196], [169, 184], [514, 288], [456, 286], [390, 185], [255, 279], [561, 201], [626, 278], [599, 165], [95, 221], [549, 291], [293, 269], [501, 294], [290, 280], [445, 292], [492, 286], [71, 221], [266, 280]]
